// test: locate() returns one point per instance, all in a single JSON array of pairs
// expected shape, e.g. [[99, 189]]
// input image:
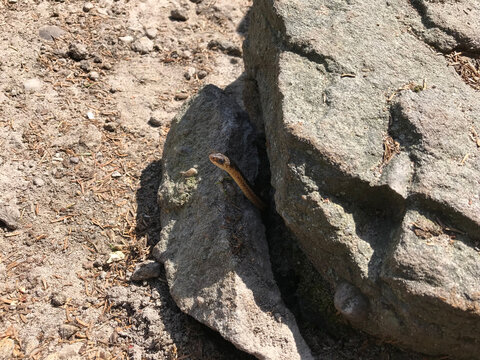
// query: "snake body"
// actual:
[[224, 163]]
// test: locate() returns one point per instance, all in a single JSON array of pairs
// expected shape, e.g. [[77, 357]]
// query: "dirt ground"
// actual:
[[85, 108], [87, 93]]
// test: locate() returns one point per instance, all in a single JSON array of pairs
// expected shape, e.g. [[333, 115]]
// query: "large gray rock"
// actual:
[[372, 147], [213, 242]]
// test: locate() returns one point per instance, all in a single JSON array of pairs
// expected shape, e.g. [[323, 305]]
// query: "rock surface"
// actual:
[[372, 140], [212, 241]]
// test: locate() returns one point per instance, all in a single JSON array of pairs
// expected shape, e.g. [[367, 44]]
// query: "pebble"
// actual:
[[66, 331], [10, 216], [74, 160], [90, 115], [86, 66], [116, 174], [190, 72], [143, 45], [126, 39], [38, 181], [58, 299], [77, 51], [146, 270], [32, 85], [57, 157], [181, 96], [202, 74], [51, 32], [151, 32], [97, 59], [179, 15], [155, 120], [110, 126], [106, 66], [87, 6], [93, 75], [115, 256], [114, 88]]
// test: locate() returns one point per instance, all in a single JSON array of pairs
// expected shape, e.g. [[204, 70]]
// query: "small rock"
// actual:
[[116, 174], [151, 32], [115, 256], [66, 331], [7, 346], [50, 32], [10, 216], [181, 96], [74, 160], [155, 120], [90, 115], [143, 45], [97, 59], [77, 51], [114, 88], [202, 74], [190, 72], [38, 181], [58, 299], [93, 75], [126, 39], [179, 15], [57, 157], [12, 1], [86, 66], [110, 126], [106, 66], [32, 85], [87, 6], [15, 91], [146, 270]]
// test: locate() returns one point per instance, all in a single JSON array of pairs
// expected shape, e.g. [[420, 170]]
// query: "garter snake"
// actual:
[[224, 163]]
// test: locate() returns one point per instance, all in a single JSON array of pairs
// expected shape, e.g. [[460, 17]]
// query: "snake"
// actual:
[[223, 162]]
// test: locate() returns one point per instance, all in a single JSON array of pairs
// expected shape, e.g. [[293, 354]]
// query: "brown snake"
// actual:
[[224, 163]]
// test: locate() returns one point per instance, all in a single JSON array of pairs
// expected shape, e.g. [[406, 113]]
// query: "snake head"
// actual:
[[219, 160]]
